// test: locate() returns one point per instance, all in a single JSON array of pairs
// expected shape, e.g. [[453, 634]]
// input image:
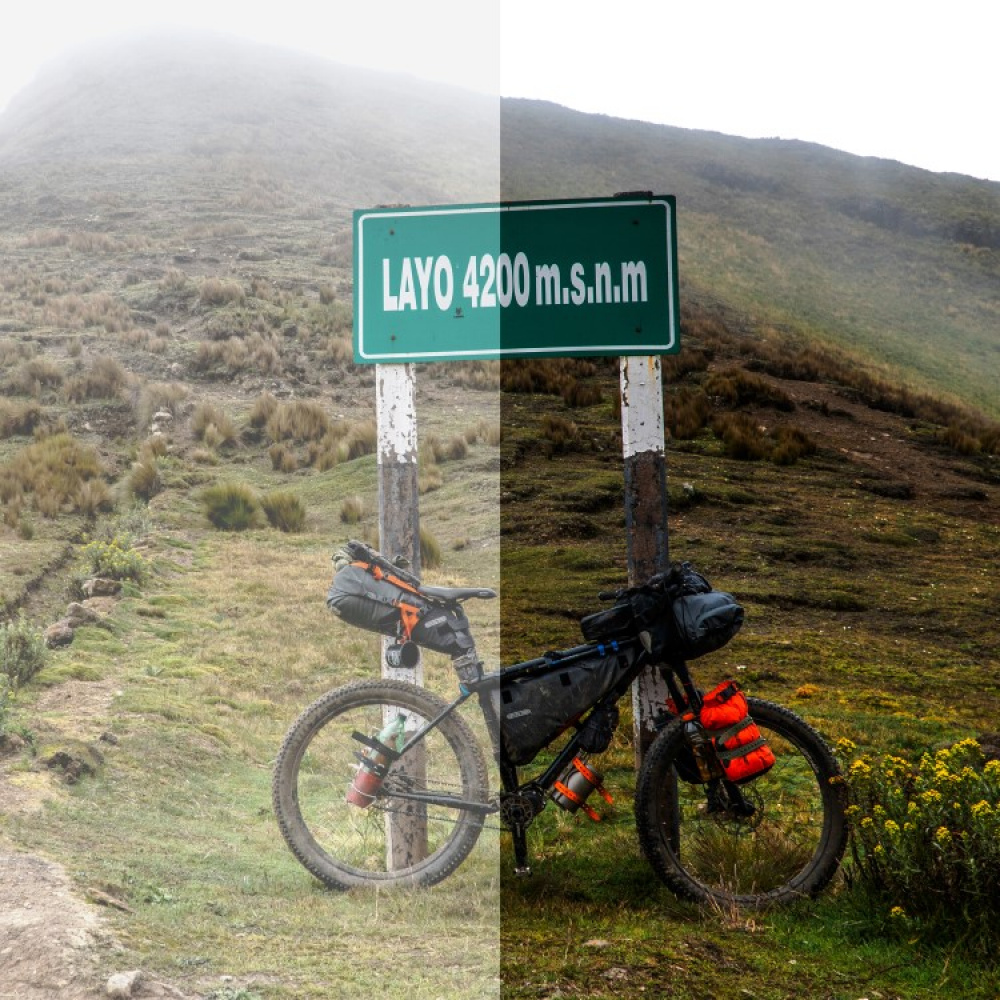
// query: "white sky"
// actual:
[[900, 80]]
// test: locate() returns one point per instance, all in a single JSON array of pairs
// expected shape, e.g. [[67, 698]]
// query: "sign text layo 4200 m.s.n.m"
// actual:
[[516, 279]]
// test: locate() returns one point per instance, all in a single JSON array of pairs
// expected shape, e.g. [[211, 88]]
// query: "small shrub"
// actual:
[[115, 559], [925, 842], [22, 651], [352, 510], [231, 506], [284, 511]]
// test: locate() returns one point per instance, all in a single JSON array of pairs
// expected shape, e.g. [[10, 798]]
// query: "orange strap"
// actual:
[[410, 617]]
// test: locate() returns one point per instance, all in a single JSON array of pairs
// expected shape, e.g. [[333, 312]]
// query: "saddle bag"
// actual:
[[370, 593], [742, 750], [534, 710]]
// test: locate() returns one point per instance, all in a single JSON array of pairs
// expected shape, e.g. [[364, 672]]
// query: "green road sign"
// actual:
[[516, 279]]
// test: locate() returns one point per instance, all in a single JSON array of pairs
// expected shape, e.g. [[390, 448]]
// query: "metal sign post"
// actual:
[[645, 512], [399, 534], [569, 278]]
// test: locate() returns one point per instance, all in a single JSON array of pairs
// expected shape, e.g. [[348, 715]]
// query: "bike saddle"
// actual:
[[458, 594]]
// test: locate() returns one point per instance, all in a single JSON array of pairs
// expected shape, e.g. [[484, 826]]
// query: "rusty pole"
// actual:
[[645, 512]]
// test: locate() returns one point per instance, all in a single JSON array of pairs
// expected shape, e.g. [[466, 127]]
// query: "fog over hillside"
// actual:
[[898, 264]]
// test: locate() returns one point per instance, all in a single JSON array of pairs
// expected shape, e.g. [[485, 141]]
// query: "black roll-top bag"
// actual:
[[678, 615]]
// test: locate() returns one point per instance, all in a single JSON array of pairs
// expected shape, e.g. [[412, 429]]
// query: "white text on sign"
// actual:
[[423, 283]]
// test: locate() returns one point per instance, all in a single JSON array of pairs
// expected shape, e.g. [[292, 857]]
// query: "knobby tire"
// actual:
[[344, 846], [790, 848]]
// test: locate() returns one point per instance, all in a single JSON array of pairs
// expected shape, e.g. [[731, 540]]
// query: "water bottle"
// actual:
[[372, 768], [703, 750]]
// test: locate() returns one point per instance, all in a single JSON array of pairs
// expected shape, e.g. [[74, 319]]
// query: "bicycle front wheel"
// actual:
[[776, 839], [416, 825]]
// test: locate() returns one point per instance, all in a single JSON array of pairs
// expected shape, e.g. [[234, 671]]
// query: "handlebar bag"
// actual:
[[705, 622]]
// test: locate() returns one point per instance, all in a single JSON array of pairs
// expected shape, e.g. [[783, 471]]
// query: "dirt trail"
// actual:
[[48, 937]]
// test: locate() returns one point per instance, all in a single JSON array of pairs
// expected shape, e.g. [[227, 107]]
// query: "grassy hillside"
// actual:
[[898, 264], [175, 312]]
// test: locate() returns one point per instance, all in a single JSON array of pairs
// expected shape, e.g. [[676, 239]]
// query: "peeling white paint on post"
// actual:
[[398, 511], [645, 512], [399, 535]]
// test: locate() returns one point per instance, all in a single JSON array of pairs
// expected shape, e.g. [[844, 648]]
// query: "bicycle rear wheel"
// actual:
[[706, 843], [419, 826]]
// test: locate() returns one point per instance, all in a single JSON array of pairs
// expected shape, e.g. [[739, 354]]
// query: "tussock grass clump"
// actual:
[[791, 444], [560, 435], [737, 387], [105, 380], [22, 651], [236, 355], [263, 409], [456, 449], [352, 510], [210, 425], [298, 420], [361, 439], [284, 511], [219, 292], [18, 418], [13, 352], [483, 375], [34, 376], [429, 479], [686, 412], [283, 458], [552, 377], [430, 550], [745, 439], [53, 470], [231, 506], [144, 479], [925, 842], [159, 397]]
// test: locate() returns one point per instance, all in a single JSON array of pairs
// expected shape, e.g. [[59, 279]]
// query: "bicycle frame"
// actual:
[[683, 692]]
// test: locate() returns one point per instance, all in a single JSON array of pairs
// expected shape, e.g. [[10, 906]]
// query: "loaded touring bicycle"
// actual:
[[382, 782]]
